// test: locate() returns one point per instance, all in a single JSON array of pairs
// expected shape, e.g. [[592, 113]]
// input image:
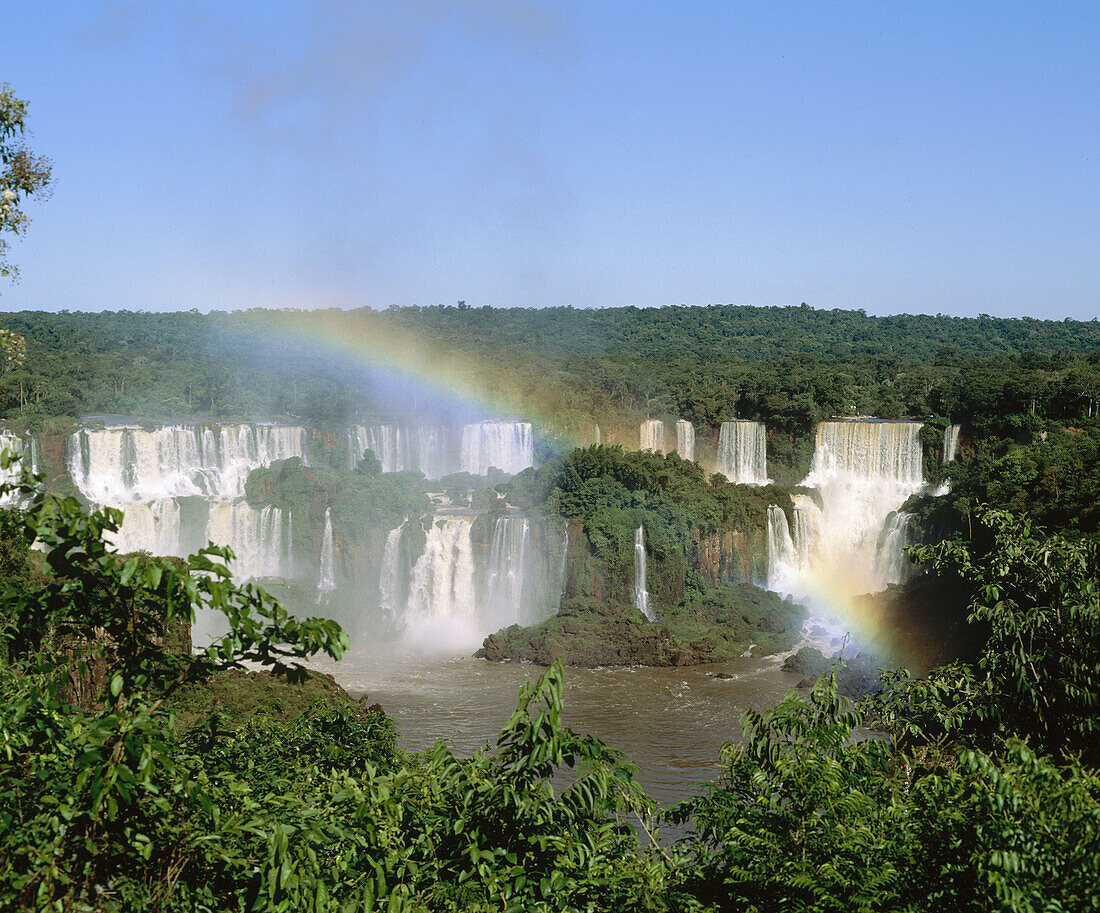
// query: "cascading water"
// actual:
[[504, 594], [641, 594], [393, 591], [507, 446], [390, 443], [651, 435], [950, 442], [807, 527], [151, 526], [11, 475], [783, 558], [452, 593], [152, 474], [431, 451], [863, 472], [254, 533], [115, 465], [685, 440], [326, 573], [742, 452], [892, 564], [438, 450], [441, 605]]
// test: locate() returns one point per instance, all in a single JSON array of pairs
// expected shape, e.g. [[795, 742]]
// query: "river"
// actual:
[[671, 722]]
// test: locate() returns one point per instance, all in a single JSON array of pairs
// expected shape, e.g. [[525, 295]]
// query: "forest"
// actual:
[[125, 786]]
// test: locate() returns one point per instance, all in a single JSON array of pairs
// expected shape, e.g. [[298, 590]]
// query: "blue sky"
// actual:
[[915, 157]]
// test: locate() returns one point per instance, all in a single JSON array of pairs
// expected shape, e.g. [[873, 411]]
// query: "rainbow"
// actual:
[[377, 340], [370, 339]]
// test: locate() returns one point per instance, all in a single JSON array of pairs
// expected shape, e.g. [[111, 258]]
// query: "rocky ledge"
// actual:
[[717, 627]]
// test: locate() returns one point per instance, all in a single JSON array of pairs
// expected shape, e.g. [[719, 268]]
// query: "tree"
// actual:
[[1039, 596], [22, 173]]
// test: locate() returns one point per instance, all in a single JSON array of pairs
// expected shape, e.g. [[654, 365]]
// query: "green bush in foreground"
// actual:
[[110, 805]]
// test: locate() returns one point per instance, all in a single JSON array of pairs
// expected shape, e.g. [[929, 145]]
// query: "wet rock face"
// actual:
[[857, 678]]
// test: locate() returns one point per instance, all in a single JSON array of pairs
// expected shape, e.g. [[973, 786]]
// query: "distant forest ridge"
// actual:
[[731, 332], [568, 369]]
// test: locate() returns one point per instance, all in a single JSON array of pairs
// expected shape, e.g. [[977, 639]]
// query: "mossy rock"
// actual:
[[237, 696], [716, 626]]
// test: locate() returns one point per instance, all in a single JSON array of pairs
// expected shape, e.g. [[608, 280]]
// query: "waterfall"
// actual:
[[563, 569], [129, 463], [651, 435], [441, 588], [863, 472], [507, 446], [641, 594], [254, 533], [162, 476], [868, 451], [685, 440], [507, 572], [392, 580], [783, 559], [326, 574], [12, 475], [950, 442], [742, 452], [453, 595], [150, 526], [891, 563], [807, 527], [439, 451], [431, 453], [390, 443]]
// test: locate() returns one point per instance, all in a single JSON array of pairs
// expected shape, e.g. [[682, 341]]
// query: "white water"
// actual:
[[783, 558], [950, 442], [254, 533], [641, 594], [742, 452], [326, 573], [390, 443], [451, 596], [438, 450], [441, 606], [892, 565], [151, 526], [147, 474], [852, 544], [507, 446], [125, 463], [391, 592], [651, 435], [685, 440], [29, 453], [507, 572]]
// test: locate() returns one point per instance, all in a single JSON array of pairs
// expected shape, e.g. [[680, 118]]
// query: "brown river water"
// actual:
[[670, 722]]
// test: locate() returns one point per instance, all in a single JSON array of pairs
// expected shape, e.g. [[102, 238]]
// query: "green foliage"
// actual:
[[1039, 595], [111, 804], [384, 501], [369, 465], [712, 624], [1011, 831], [789, 367], [22, 174], [1054, 477], [803, 818]]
